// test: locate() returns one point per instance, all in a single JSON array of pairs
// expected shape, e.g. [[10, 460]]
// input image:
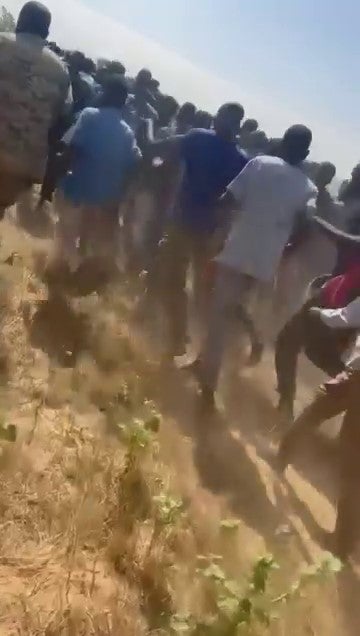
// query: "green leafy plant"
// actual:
[[241, 609], [167, 512], [168, 509], [313, 574], [138, 437]]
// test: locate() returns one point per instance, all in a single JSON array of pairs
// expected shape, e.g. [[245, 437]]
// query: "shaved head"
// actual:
[[34, 18]]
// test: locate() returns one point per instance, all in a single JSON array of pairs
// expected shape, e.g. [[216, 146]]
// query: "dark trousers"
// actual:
[[341, 395], [52, 174], [347, 529], [54, 168], [180, 249], [323, 347]]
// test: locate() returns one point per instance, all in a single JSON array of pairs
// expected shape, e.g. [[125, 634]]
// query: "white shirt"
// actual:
[[271, 193], [346, 318]]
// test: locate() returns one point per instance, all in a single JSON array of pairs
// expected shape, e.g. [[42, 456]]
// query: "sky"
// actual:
[[286, 61]]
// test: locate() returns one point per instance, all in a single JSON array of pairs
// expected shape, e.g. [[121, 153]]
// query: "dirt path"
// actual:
[[221, 461]]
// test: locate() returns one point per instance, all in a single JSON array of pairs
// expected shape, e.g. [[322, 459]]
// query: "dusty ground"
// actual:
[[62, 363]]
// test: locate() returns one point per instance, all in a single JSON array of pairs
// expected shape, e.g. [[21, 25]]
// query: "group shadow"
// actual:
[[58, 330], [225, 468], [221, 458]]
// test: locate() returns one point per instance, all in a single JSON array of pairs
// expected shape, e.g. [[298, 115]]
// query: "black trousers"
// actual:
[[338, 396], [322, 345]]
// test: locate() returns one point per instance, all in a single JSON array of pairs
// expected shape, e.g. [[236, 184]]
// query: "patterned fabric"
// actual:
[[34, 91]]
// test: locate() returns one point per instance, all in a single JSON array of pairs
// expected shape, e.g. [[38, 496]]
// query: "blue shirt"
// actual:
[[106, 151], [210, 165]]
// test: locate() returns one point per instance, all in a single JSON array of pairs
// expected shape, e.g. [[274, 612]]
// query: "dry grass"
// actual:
[[98, 533]]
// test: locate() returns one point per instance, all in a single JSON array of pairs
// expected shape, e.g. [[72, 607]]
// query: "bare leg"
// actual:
[[331, 400]]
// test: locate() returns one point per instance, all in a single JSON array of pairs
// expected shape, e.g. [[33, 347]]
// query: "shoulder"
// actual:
[[200, 133], [303, 189], [55, 66], [269, 161], [307, 184], [54, 59], [197, 137], [256, 163], [88, 115], [90, 111]]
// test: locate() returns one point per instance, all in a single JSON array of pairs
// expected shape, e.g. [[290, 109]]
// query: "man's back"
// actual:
[[34, 86], [276, 190], [107, 150], [270, 192], [210, 164]]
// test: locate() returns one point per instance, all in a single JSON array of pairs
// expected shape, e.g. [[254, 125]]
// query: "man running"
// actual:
[[138, 108], [102, 154], [302, 332], [34, 93], [271, 194], [211, 160], [335, 397], [325, 173]]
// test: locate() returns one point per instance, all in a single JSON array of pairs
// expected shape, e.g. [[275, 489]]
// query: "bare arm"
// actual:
[[335, 234], [166, 149], [344, 318]]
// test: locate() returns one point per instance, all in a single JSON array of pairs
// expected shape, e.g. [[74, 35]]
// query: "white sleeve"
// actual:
[[345, 318], [238, 186]]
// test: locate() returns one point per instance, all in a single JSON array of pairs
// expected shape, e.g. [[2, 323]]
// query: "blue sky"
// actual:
[[303, 52], [287, 60]]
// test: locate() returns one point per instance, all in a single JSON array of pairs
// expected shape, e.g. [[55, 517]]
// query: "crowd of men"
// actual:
[[222, 198]]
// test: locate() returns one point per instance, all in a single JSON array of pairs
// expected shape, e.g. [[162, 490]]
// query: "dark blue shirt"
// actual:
[[210, 164]]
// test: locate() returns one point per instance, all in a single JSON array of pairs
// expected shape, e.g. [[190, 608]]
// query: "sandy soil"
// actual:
[[221, 463]]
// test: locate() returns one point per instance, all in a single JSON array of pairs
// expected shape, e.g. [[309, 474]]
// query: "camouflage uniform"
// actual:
[[34, 92]]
